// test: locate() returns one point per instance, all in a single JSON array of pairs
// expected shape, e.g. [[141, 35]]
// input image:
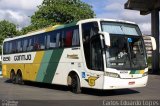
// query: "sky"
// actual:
[[19, 12]]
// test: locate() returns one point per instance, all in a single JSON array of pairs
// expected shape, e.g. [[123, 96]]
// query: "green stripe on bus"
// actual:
[[44, 65], [52, 66], [135, 72], [132, 71]]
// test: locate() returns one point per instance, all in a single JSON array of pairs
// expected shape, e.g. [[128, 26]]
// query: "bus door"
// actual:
[[93, 54]]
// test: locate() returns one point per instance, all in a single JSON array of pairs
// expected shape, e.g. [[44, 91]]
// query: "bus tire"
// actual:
[[13, 77], [19, 79], [75, 84]]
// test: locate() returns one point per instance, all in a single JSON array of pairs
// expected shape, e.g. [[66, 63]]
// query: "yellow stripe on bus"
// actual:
[[141, 71], [4, 70], [51, 28], [32, 69]]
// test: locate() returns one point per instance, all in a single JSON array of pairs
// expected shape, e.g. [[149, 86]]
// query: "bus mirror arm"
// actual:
[[106, 37], [153, 42]]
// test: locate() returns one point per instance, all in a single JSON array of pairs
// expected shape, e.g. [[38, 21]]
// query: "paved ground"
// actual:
[[38, 91]]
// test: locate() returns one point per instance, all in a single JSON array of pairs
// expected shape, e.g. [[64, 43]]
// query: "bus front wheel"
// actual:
[[75, 84]]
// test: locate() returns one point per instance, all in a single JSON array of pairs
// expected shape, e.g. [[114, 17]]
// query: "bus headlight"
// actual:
[[110, 74], [145, 74]]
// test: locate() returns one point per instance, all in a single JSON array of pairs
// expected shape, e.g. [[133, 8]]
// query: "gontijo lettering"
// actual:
[[6, 58], [22, 57]]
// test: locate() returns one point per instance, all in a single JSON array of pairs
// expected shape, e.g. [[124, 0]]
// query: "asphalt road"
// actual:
[[60, 95]]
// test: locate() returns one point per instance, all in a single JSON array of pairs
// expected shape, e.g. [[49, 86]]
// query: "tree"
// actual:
[[7, 29], [52, 12]]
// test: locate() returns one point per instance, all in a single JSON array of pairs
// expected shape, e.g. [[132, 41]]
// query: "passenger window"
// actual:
[[14, 48], [63, 39], [53, 39], [68, 39], [39, 43], [31, 44], [71, 37], [75, 39], [19, 45], [42, 42], [10, 47], [58, 43], [5, 48], [25, 44]]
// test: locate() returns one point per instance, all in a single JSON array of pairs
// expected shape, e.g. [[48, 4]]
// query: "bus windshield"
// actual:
[[126, 53], [127, 47], [120, 28]]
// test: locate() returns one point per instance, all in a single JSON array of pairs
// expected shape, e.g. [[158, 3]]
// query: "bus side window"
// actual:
[[36, 43], [58, 43], [41, 40], [68, 39], [31, 44], [75, 39], [10, 47], [19, 46], [5, 48], [48, 41], [25, 44], [51, 40], [14, 48], [63, 38]]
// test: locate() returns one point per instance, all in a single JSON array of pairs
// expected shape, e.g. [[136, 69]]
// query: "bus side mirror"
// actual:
[[153, 41], [106, 37]]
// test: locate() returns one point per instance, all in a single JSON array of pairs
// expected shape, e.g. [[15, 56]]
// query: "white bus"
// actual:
[[92, 53]]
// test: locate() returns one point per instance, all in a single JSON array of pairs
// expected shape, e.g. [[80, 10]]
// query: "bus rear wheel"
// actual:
[[75, 84], [13, 77], [19, 79]]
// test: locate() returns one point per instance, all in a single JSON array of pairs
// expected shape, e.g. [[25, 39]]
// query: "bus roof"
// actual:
[[47, 29], [103, 19], [65, 26]]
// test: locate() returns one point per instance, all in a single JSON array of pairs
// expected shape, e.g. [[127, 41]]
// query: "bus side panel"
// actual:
[[17, 67], [70, 60], [44, 65], [49, 65], [52, 66], [6, 68], [30, 71], [29, 68], [5, 71]]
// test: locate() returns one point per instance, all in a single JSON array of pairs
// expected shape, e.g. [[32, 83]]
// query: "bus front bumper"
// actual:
[[118, 83]]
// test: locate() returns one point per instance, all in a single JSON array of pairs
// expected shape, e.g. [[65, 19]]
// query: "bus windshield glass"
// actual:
[[126, 52], [127, 47], [120, 28]]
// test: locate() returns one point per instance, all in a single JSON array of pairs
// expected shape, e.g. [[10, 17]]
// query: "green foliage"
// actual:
[[7, 29], [52, 12], [28, 29]]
